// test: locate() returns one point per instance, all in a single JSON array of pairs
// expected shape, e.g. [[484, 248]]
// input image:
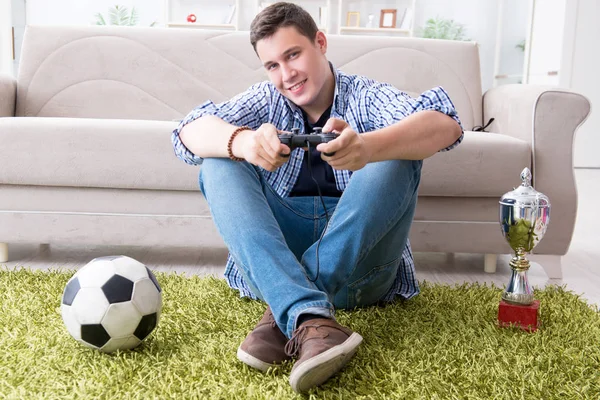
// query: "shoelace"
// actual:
[[293, 345]]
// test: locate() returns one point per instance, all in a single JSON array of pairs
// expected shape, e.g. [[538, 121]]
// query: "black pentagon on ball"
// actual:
[[146, 325], [118, 289], [94, 334], [71, 291], [153, 279]]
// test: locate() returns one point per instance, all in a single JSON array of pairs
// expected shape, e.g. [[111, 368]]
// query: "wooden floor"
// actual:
[[581, 265]]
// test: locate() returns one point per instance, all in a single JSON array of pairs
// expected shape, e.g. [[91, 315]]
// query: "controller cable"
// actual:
[[324, 208]]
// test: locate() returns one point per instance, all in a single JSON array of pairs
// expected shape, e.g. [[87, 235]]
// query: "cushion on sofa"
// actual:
[[483, 165], [137, 154]]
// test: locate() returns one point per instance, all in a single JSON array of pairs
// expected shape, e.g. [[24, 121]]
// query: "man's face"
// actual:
[[295, 65]]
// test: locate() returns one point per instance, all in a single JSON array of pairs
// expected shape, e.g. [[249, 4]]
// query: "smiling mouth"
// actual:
[[297, 85]]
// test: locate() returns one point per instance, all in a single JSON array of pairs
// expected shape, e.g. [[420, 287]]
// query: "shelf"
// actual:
[[377, 30], [201, 26]]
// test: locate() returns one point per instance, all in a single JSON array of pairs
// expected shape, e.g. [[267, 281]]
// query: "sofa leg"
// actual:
[[3, 252], [552, 264], [489, 265]]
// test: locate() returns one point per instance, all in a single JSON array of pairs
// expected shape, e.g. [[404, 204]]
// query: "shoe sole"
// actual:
[[253, 361], [318, 369]]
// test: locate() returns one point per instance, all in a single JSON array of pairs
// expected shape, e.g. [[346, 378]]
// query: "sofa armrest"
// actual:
[[8, 95], [547, 118]]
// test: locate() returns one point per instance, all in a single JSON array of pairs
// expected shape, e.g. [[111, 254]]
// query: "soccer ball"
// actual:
[[112, 303]]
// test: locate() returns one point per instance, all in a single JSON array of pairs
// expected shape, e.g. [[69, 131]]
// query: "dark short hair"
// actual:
[[280, 15]]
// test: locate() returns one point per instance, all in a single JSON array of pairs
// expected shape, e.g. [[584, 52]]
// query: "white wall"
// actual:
[[585, 78], [82, 12], [479, 19]]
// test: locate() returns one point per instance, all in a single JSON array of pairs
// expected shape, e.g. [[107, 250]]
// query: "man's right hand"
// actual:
[[261, 147]]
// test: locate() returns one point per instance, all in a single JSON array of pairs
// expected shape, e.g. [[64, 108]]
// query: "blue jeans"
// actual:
[[273, 240]]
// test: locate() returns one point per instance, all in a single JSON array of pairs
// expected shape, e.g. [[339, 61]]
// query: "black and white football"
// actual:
[[112, 303]]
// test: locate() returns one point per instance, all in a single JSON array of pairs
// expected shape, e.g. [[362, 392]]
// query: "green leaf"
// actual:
[[133, 17], [438, 28], [100, 19]]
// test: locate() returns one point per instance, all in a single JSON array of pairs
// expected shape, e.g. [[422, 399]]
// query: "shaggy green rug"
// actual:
[[443, 344]]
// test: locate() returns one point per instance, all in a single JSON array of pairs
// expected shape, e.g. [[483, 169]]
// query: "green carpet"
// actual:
[[443, 344]]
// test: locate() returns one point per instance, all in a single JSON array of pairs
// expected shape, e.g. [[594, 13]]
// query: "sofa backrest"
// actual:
[[162, 73]]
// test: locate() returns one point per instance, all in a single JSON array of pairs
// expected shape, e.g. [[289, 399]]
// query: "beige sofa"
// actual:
[[86, 157]]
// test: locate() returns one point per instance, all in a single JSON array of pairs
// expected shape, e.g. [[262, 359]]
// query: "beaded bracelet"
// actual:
[[230, 143]]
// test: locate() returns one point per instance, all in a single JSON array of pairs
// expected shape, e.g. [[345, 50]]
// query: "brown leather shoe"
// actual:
[[264, 347], [323, 347]]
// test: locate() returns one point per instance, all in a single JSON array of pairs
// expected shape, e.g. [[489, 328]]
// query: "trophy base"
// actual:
[[524, 317]]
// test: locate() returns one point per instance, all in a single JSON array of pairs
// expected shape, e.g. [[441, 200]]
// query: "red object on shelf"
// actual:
[[191, 18], [525, 317]]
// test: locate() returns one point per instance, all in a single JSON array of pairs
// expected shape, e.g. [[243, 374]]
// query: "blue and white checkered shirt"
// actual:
[[366, 105]]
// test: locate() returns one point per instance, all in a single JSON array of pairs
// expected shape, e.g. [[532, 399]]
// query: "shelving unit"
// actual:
[[207, 14], [403, 9], [330, 15], [359, 29], [321, 11], [231, 27]]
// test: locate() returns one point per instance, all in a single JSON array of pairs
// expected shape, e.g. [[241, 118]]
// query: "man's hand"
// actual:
[[261, 147], [351, 152]]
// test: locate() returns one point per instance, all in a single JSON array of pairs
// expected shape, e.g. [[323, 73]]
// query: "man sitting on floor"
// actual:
[[307, 232]]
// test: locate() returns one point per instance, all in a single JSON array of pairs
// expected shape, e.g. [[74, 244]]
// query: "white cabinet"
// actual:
[[543, 61], [529, 41]]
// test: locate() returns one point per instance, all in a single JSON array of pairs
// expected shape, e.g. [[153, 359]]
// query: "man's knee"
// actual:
[[394, 167], [221, 171]]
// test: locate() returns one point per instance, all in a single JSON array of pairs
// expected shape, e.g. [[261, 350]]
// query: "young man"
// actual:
[[303, 254]]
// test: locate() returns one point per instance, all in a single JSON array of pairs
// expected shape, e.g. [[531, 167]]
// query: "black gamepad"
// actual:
[[294, 140]]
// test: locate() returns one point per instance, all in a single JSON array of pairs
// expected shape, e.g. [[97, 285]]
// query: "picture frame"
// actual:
[[353, 18], [387, 18]]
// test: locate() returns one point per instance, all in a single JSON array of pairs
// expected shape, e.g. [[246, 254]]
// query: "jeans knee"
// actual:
[[220, 171], [396, 167]]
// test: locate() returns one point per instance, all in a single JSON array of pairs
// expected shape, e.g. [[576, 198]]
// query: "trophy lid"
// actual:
[[525, 195]]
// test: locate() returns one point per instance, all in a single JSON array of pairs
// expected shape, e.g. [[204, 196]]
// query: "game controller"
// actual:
[[294, 140]]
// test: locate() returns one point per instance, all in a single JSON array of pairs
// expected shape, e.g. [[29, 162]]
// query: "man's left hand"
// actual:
[[351, 152]]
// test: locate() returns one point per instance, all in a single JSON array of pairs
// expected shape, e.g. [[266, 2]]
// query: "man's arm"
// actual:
[[399, 127], [205, 131], [416, 137], [208, 136]]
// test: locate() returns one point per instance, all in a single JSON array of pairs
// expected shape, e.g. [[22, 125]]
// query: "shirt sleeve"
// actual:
[[388, 105], [250, 108]]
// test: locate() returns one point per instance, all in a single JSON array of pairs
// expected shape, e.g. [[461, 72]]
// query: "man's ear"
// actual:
[[321, 41]]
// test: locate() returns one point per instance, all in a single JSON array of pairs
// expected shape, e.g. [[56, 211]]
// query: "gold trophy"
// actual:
[[524, 218]]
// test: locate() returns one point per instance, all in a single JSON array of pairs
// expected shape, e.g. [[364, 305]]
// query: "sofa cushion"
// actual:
[[136, 154], [162, 73], [82, 152], [484, 165]]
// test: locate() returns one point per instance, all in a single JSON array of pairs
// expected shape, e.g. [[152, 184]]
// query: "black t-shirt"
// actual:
[[321, 171]]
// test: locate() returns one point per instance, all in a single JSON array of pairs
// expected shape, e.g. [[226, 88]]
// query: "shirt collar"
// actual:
[[338, 94]]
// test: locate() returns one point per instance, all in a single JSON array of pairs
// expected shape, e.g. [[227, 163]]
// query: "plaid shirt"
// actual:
[[366, 105]]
